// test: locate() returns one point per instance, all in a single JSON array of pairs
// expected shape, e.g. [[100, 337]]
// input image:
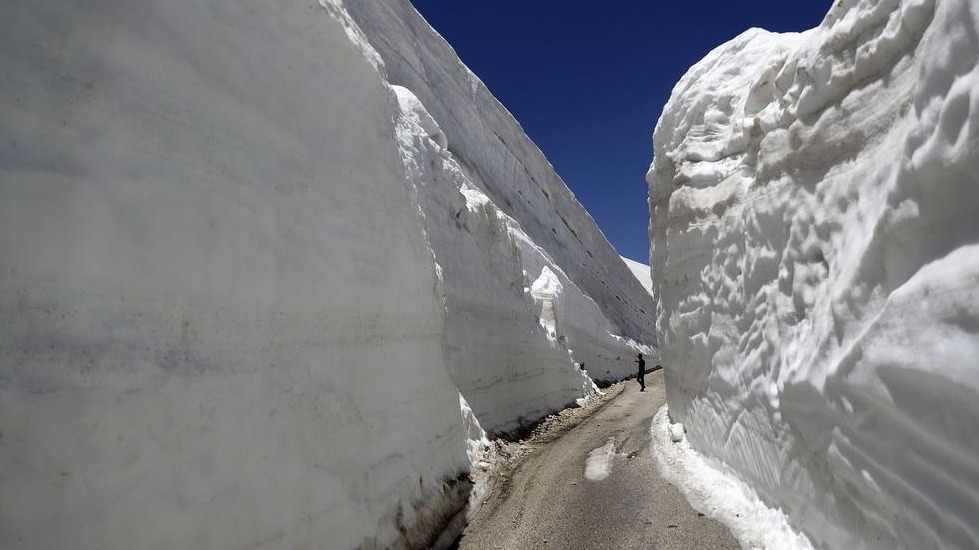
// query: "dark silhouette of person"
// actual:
[[640, 376]]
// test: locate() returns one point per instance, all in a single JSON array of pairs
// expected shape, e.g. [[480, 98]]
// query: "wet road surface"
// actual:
[[547, 502]]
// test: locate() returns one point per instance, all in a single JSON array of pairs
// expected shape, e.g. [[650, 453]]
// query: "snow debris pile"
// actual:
[[255, 294], [815, 255]]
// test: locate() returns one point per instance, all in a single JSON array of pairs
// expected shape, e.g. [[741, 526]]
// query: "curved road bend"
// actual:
[[548, 503]]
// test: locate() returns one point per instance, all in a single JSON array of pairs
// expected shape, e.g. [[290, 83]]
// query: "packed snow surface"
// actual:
[[255, 294], [815, 257]]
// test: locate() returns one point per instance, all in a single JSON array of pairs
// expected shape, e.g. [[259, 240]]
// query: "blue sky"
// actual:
[[587, 80]]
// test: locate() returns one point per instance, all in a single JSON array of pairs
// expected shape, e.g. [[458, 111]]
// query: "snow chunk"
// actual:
[[546, 285], [413, 109], [599, 463], [546, 289]]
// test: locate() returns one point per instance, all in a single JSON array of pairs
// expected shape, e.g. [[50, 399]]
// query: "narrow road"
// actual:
[[547, 501]]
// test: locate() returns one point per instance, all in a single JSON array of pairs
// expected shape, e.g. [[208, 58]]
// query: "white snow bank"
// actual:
[[502, 349], [248, 297], [501, 161], [516, 351], [219, 324], [814, 257], [717, 492]]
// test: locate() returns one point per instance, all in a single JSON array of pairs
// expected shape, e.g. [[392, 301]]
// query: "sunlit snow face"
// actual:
[[813, 256]]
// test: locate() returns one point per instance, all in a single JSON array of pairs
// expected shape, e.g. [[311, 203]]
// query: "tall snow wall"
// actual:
[[815, 255], [604, 315], [501, 161], [234, 311]]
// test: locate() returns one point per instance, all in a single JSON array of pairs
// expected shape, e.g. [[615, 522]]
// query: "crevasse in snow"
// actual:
[[255, 292], [815, 256]]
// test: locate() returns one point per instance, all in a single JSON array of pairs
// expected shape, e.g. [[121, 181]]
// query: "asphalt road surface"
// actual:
[[547, 502]]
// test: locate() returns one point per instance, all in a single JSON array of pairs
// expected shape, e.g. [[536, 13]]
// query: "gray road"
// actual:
[[547, 502]]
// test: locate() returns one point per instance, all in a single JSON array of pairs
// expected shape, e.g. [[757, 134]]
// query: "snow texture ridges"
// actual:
[[815, 254]]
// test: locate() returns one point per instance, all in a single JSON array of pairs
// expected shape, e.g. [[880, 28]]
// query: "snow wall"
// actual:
[[492, 156], [248, 292], [815, 255]]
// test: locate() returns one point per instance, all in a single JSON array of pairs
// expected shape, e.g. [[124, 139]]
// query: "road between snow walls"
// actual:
[[265, 286], [815, 254]]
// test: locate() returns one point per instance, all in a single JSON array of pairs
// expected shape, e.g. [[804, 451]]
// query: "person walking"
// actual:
[[640, 376]]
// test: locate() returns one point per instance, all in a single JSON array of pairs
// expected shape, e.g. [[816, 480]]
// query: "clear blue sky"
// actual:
[[587, 80]]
